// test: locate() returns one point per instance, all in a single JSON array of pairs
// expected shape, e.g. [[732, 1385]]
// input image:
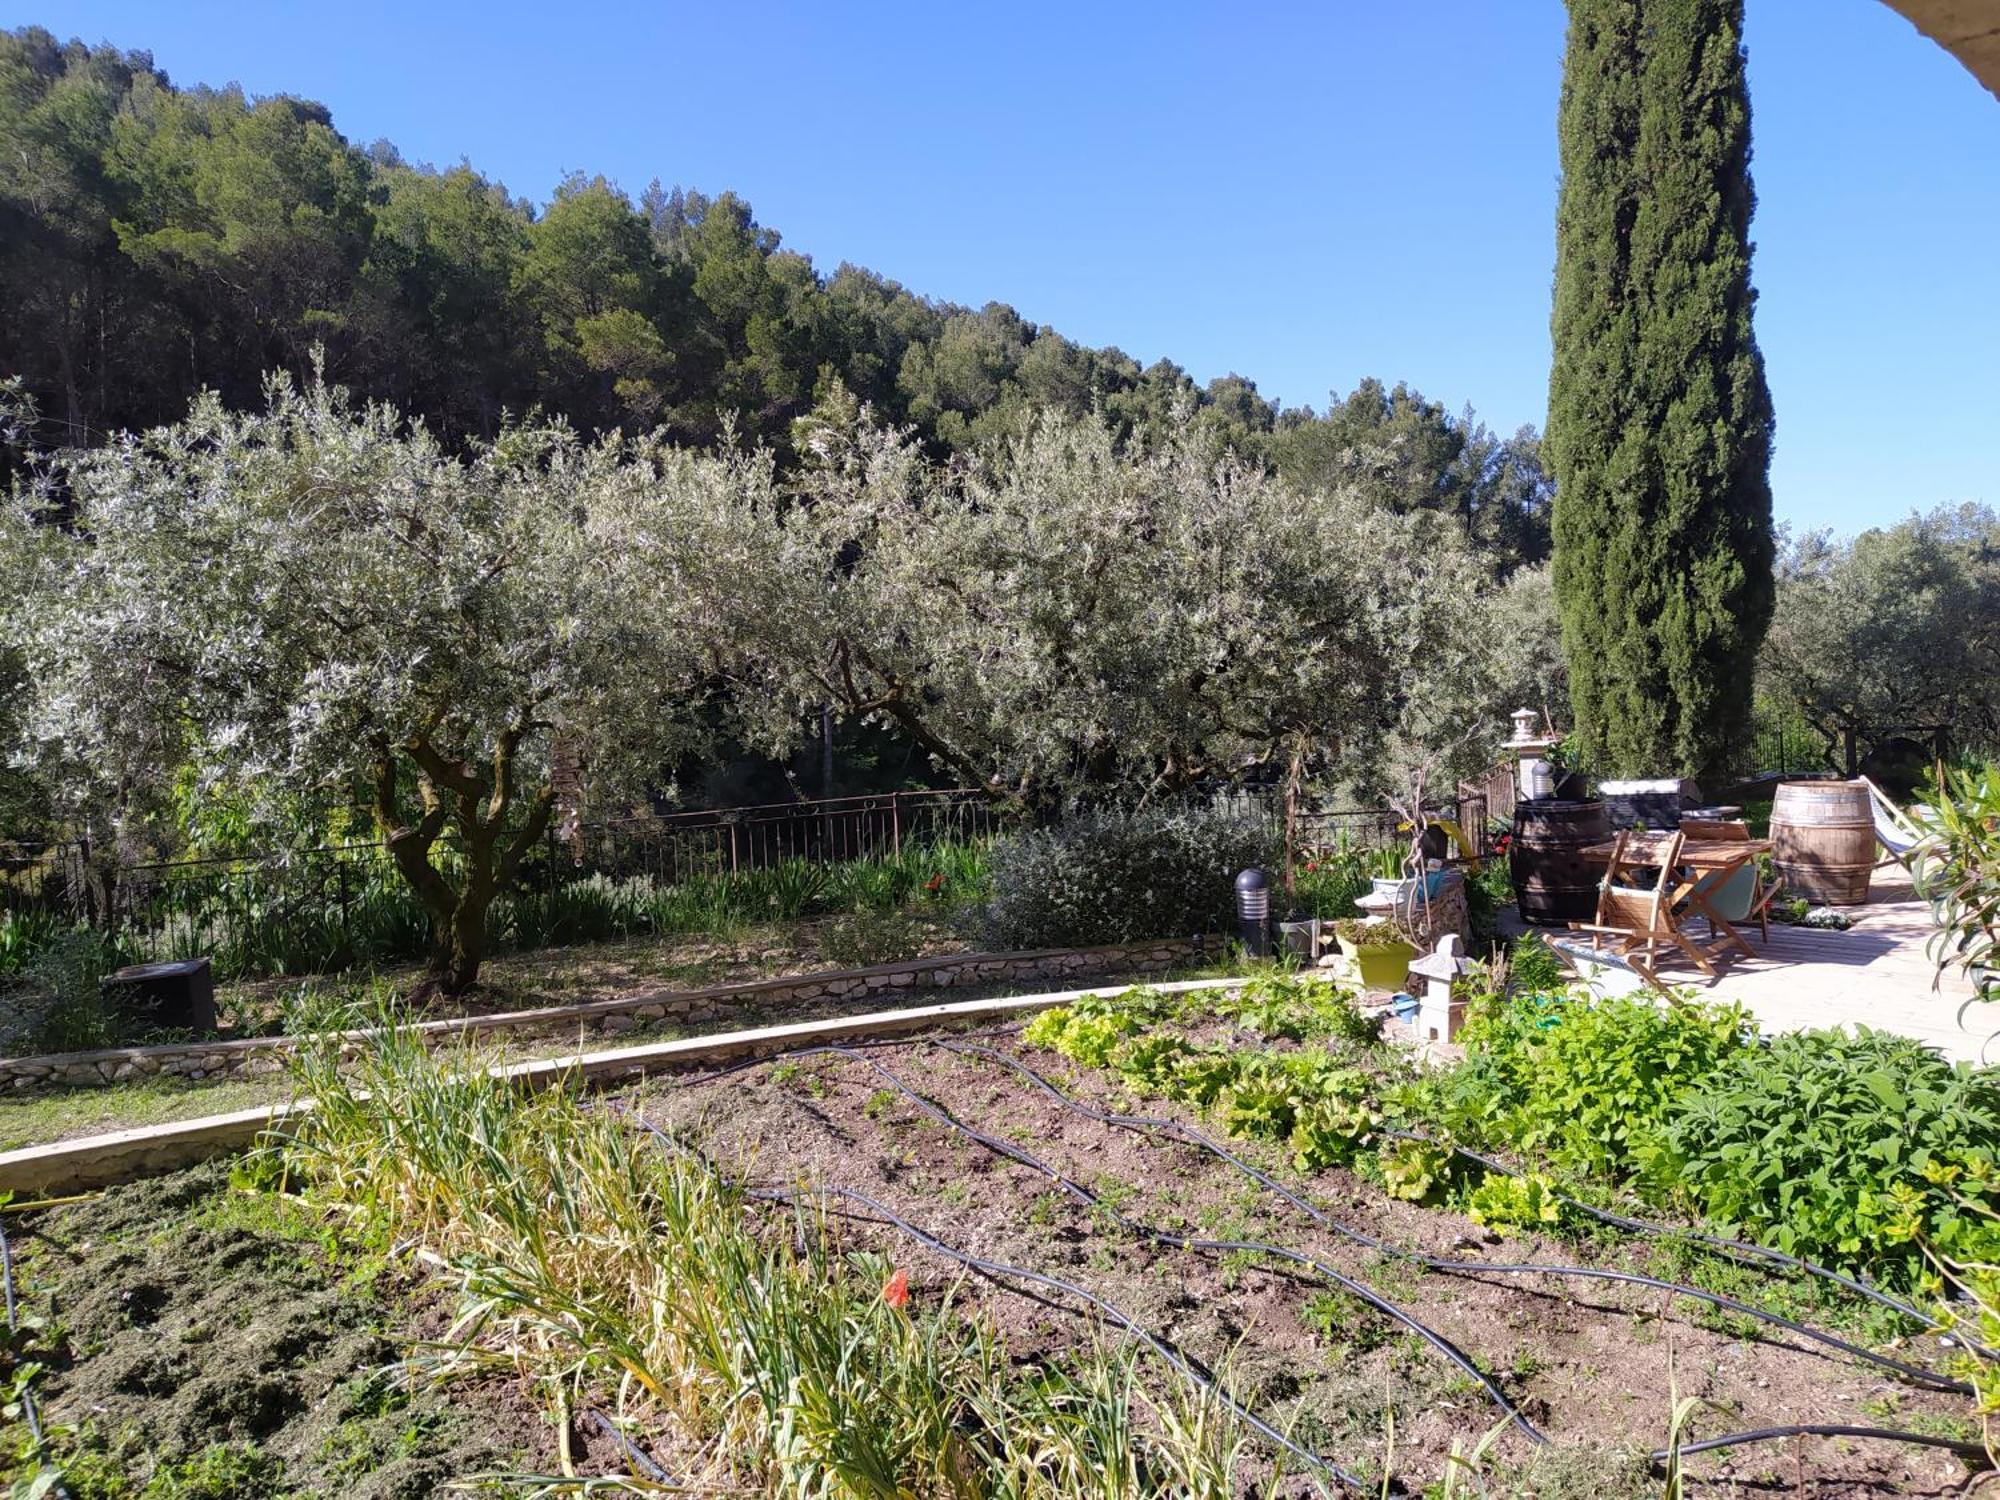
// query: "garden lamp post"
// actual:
[[1253, 912], [1536, 776]]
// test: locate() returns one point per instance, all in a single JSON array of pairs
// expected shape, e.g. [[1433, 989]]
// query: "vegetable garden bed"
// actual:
[[964, 1265]]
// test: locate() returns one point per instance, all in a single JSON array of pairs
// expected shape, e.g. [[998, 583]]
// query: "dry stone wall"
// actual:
[[609, 1018]]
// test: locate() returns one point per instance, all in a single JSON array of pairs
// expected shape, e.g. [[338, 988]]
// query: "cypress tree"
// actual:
[[1659, 430]]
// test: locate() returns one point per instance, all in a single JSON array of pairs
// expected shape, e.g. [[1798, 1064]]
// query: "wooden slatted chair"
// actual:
[[1634, 922], [1737, 896]]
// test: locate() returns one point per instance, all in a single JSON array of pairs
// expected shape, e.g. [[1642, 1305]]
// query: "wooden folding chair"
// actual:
[[1736, 896], [1633, 922]]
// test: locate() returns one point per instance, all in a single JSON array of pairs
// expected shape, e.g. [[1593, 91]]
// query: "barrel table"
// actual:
[[1823, 840], [1555, 882]]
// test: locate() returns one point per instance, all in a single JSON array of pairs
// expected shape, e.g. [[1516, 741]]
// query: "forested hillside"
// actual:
[[157, 240]]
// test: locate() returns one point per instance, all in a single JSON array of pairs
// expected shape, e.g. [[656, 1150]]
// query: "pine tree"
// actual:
[[1659, 429]]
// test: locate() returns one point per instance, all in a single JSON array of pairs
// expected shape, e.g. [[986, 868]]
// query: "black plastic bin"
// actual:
[[166, 997]]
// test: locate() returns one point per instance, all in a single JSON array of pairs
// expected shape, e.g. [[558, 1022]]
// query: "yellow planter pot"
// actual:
[[1383, 966]]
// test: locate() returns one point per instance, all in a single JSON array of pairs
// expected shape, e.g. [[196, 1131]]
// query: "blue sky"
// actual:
[[1304, 193]]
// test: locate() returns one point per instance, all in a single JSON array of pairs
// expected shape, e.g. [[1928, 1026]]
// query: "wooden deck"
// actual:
[[1875, 974]]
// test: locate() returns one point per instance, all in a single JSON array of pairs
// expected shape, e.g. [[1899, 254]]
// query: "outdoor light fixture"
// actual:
[[1537, 777], [1253, 912]]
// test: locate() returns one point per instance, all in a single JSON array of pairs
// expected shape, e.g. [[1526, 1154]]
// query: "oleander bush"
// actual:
[[1958, 865]]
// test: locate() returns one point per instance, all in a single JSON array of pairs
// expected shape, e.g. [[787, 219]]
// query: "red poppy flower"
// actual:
[[897, 1291]]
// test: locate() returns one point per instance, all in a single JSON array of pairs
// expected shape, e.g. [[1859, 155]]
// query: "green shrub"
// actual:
[[1584, 1083], [1533, 969], [1327, 885], [1849, 1148], [864, 939], [56, 1003], [1116, 877]]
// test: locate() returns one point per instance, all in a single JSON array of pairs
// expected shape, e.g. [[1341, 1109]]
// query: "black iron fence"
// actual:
[[288, 910]]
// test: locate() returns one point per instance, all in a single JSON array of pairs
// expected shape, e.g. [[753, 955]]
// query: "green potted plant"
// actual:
[[1380, 952], [1572, 784]]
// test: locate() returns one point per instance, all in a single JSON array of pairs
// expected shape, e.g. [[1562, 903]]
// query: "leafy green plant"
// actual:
[[792, 889], [57, 1002], [1533, 969], [1417, 1171], [1330, 1131], [1529, 1201], [1856, 1149], [1326, 885], [1583, 1083], [1958, 872], [1295, 1007], [1387, 863], [1089, 1035]]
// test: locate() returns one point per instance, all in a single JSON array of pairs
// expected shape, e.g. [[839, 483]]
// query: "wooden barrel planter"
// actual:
[[1823, 841], [1553, 883]]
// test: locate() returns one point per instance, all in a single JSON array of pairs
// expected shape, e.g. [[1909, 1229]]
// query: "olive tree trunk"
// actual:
[[476, 803]]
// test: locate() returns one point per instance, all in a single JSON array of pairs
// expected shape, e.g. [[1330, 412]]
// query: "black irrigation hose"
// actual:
[[638, 1457], [1001, 1271], [1959, 1446], [1147, 1124], [1176, 1241]]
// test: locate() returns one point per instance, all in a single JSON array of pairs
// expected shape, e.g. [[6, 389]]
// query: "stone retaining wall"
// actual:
[[606, 1018]]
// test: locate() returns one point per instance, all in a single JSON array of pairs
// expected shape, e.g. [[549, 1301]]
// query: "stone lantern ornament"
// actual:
[[1440, 1008]]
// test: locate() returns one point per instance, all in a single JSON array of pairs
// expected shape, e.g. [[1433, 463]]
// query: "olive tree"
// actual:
[[316, 600], [1899, 626], [1066, 615]]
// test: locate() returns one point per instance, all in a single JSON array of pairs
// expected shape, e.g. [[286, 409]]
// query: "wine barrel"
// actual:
[[1553, 883], [1823, 840]]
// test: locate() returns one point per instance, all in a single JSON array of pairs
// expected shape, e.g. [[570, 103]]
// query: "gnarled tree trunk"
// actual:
[[476, 802]]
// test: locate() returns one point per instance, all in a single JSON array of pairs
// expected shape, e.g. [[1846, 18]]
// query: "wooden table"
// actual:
[[1702, 858]]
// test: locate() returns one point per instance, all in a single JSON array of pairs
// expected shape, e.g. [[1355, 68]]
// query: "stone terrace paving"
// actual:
[[1875, 974]]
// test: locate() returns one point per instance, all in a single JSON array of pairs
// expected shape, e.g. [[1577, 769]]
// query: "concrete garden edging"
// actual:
[[96, 1161], [255, 1056]]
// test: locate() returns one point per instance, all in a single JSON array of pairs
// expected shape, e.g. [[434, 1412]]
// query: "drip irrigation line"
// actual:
[[1003, 1272], [1960, 1446], [1148, 1124], [766, 1059], [638, 1457], [1177, 1241]]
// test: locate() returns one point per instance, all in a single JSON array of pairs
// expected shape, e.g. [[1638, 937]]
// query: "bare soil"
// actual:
[[1595, 1365]]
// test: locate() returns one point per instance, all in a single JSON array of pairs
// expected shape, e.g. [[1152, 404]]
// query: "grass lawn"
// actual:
[[532, 978]]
